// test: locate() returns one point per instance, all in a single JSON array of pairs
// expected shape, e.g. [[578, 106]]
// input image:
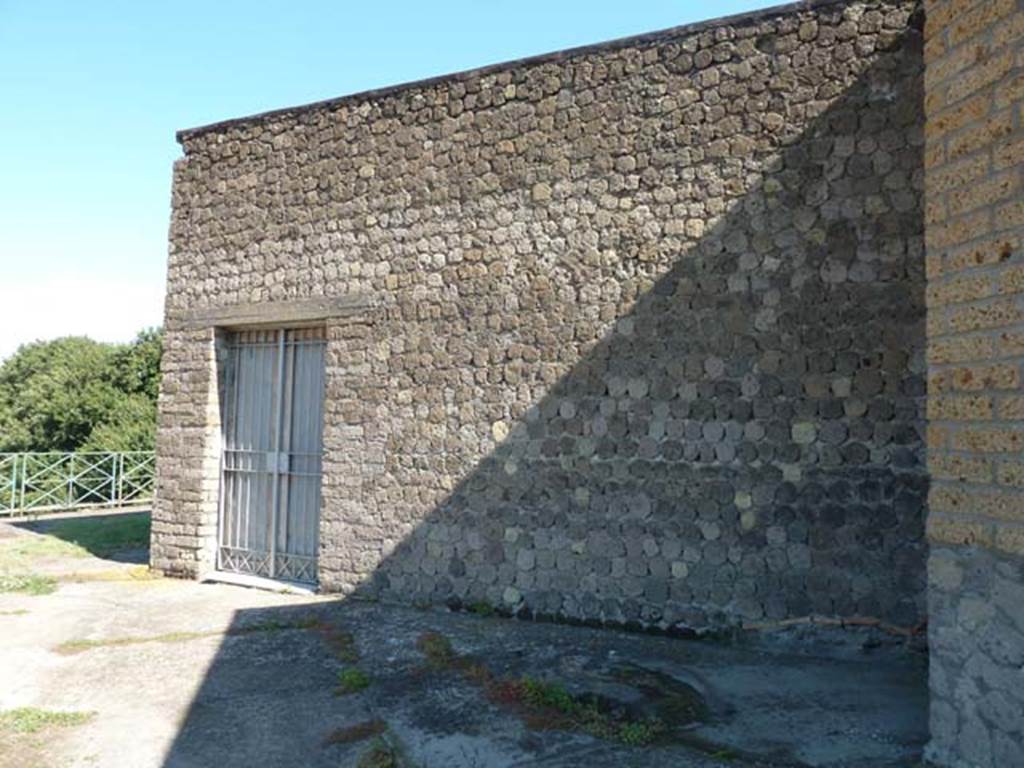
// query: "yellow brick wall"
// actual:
[[974, 161]]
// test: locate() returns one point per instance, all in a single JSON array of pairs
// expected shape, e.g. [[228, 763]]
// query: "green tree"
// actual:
[[135, 368], [78, 394]]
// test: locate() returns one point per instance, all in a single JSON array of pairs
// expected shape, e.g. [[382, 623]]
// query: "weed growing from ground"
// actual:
[[542, 694], [351, 680], [342, 643], [379, 755], [546, 704], [358, 732], [33, 720], [640, 732], [438, 650], [542, 703], [481, 608]]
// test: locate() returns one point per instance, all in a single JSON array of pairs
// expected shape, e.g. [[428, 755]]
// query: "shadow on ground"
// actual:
[[802, 698], [118, 536]]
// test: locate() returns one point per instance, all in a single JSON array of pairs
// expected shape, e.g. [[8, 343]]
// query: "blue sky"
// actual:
[[91, 94]]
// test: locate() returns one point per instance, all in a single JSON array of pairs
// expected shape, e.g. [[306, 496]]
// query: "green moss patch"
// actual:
[[32, 720]]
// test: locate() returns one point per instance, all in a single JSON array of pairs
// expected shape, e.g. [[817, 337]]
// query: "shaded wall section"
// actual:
[[975, 219], [646, 342]]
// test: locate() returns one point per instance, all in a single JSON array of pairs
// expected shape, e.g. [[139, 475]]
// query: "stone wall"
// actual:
[[646, 329], [975, 220]]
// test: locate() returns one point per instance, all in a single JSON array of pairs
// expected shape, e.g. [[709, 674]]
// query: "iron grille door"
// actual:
[[270, 488]]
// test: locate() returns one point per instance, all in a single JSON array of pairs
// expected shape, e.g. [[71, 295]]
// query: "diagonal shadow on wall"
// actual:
[[744, 445]]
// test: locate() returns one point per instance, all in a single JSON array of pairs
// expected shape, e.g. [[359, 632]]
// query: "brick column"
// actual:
[[974, 91], [187, 456]]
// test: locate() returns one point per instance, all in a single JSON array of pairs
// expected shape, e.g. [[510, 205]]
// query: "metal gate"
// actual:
[[271, 464]]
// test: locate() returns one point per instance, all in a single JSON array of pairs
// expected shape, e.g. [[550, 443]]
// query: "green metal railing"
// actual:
[[49, 482]]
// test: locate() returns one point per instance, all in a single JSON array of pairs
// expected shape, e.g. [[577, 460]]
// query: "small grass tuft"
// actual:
[[548, 705], [27, 583], [18, 612], [33, 720], [639, 733], [540, 693], [341, 642], [437, 648], [379, 755], [351, 680], [481, 608], [358, 732]]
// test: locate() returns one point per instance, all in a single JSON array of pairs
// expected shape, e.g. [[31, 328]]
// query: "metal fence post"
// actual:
[[24, 474], [14, 482], [120, 480], [71, 478]]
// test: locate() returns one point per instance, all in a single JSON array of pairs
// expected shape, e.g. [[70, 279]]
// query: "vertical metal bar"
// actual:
[[257, 484], [237, 520], [320, 393], [231, 511], [296, 506], [246, 372], [239, 514], [276, 477], [71, 477], [116, 459], [262, 484], [24, 473], [14, 481], [246, 441], [285, 440]]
